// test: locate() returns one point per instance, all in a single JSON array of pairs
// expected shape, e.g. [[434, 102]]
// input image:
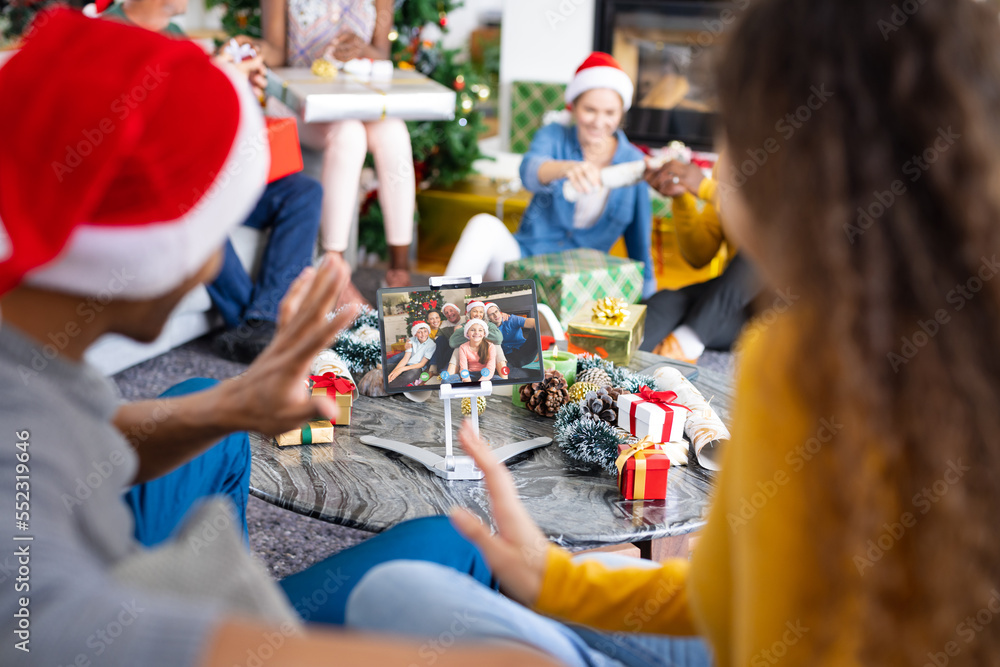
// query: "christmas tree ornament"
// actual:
[[467, 405], [580, 389], [596, 376], [546, 397]]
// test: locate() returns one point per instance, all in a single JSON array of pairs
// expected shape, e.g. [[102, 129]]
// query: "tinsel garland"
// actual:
[[594, 441], [359, 344]]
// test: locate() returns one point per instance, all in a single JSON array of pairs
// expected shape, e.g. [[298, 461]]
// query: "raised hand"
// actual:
[[517, 553], [270, 397]]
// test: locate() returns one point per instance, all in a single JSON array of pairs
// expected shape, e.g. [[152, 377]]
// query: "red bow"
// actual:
[[660, 397], [339, 384]]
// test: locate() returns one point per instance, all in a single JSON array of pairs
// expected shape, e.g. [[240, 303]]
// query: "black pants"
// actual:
[[715, 310]]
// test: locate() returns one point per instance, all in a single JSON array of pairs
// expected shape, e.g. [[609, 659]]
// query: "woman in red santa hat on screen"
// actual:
[[597, 97]]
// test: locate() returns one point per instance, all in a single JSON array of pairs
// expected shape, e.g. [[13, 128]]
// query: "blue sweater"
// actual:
[[547, 225]]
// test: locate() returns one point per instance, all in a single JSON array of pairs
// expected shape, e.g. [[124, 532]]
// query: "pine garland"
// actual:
[[594, 441], [361, 353]]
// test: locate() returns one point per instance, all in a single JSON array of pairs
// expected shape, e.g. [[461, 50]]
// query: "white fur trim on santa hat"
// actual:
[[472, 304], [601, 77], [490, 304], [147, 261], [419, 325], [451, 305], [476, 320]]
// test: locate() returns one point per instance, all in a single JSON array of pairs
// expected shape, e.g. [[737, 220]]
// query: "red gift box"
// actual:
[[642, 470], [286, 153]]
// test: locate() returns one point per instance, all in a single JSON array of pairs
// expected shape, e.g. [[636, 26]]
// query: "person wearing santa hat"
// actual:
[[288, 209], [105, 224], [476, 310], [420, 351], [597, 97], [476, 354]]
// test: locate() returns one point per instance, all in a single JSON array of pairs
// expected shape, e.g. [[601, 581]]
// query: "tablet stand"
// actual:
[[449, 466]]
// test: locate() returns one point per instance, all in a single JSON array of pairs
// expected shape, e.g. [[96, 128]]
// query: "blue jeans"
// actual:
[[290, 207], [442, 606], [160, 505]]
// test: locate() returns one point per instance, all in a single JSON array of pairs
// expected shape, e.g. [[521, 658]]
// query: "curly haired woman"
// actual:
[[855, 519]]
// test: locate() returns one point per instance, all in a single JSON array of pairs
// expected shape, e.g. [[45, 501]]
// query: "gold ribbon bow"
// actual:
[[323, 68], [638, 450], [610, 311]]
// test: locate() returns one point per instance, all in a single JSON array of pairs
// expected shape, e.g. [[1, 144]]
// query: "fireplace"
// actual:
[[665, 47]]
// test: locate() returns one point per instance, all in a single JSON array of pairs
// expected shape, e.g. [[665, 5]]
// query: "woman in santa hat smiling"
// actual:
[[597, 98]]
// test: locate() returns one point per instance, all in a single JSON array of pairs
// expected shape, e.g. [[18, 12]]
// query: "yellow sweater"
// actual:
[[742, 590], [699, 235]]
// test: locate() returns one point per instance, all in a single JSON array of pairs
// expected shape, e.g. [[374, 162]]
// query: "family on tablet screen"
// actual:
[[486, 343]]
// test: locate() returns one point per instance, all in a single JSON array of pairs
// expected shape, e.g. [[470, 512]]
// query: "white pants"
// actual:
[[345, 144], [485, 246]]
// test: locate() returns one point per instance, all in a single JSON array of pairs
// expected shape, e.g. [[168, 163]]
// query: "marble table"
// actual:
[[577, 506]]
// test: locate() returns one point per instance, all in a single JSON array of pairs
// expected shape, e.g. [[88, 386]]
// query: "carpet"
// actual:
[[285, 542]]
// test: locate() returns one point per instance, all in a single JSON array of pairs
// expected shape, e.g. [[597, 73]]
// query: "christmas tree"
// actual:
[[422, 303]]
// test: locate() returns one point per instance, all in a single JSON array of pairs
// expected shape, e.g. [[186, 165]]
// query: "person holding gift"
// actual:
[[476, 354], [597, 97], [682, 323], [289, 208], [421, 350], [298, 32]]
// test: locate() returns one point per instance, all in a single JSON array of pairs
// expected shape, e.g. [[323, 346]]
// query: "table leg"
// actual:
[[664, 548]]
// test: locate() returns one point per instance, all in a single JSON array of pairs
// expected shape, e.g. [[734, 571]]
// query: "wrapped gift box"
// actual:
[[616, 341], [649, 414], [315, 432], [568, 281], [408, 95], [286, 153], [444, 213], [642, 471]]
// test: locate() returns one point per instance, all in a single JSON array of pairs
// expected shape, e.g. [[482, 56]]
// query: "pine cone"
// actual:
[[602, 404], [546, 397], [596, 376]]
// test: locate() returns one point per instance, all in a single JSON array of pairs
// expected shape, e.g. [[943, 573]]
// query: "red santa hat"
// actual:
[[490, 304], [115, 180], [600, 70], [446, 306], [476, 320], [419, 325], [472, 304]]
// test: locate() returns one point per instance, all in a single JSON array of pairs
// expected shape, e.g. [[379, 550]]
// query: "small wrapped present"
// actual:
[[569, 281], [315, 432], [642, 470], [610, 329], [331, 377], [654, 414], [286, 153]]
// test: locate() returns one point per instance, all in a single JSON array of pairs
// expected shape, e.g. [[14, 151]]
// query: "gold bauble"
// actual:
[[580, 389], [467, 405]]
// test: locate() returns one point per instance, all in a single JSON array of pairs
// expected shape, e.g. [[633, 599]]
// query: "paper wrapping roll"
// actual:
[[329, 361], [703, 426]]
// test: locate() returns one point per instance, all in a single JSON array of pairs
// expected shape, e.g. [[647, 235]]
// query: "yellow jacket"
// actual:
[[744, 587], [699, 234]]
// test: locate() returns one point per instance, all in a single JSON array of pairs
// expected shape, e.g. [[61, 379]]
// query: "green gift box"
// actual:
[[615, 342], [568, 281]]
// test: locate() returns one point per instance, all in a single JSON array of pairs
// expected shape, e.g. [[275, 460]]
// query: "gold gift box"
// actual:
[[315, 432], [615, 342]]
